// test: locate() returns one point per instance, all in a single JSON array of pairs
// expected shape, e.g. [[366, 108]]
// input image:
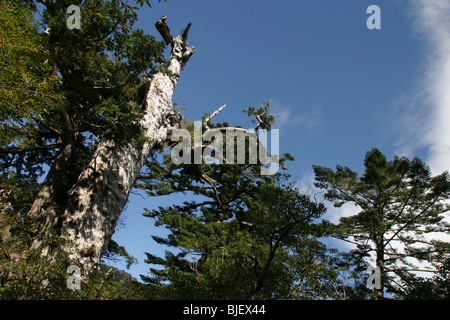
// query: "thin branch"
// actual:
[[338, 237], [409, 270], [38, 121], [107, 34], [410, 221], [260, 121], [205, 122], [406, 202], [415, 255], [196, 205], [212, 183], [17, 151]]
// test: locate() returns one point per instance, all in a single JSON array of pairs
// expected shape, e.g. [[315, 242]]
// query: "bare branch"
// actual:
[[180, 50], [184, 36], [164, 30], [205, 122]]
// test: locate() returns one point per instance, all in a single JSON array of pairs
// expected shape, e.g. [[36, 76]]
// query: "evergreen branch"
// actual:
[[406, 202], [107, 34], [413, 219]]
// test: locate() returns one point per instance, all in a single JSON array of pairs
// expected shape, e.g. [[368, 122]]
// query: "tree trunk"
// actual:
[[42, 205], [379, 292], [102, 189]]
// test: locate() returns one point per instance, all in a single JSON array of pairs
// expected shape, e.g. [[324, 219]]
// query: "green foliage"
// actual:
[[436, 287], [263, 253], [26, 275], [266, 120], [68, 87], [30, 104], [243, 236], [115, 252], [104, 62], [400, 202], [165, 70], [28, 83], [63, 90]]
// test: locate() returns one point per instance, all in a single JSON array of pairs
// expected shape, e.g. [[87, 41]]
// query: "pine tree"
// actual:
[[401, 205], [243, 236]]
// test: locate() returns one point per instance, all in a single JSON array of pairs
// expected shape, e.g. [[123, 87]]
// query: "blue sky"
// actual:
[[341, 88]]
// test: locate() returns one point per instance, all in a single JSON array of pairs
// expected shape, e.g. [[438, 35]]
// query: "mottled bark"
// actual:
[[102, 189]]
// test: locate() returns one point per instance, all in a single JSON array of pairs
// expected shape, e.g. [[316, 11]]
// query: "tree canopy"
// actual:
[[86, 114], [244, 236], [401, 205]]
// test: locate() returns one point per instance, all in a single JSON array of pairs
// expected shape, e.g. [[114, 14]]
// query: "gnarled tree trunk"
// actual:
[[102, 189]]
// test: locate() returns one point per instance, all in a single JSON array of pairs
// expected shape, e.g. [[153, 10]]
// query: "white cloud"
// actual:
[[426, 119], [310, 119], [431, 20], [333, 214]]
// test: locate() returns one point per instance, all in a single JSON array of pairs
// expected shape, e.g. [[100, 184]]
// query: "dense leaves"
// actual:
[[61, 91], [243, 236], [30, 105], [237, 233]]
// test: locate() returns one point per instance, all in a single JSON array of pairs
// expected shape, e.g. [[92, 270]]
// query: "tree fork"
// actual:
[[96, 200]]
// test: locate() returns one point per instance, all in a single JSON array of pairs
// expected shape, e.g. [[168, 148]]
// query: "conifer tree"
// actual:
[[401, 205], [242, 236]]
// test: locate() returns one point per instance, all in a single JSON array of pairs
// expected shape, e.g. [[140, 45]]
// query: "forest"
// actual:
[[86, 117]]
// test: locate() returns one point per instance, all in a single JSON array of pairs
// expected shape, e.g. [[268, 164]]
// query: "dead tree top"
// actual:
[[164, 30]]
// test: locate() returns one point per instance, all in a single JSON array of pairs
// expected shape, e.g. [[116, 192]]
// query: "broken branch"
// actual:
[[164, 30], [205, 122]]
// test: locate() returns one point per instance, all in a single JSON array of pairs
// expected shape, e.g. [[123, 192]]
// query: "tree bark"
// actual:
[[42, 205], [96, 200]]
